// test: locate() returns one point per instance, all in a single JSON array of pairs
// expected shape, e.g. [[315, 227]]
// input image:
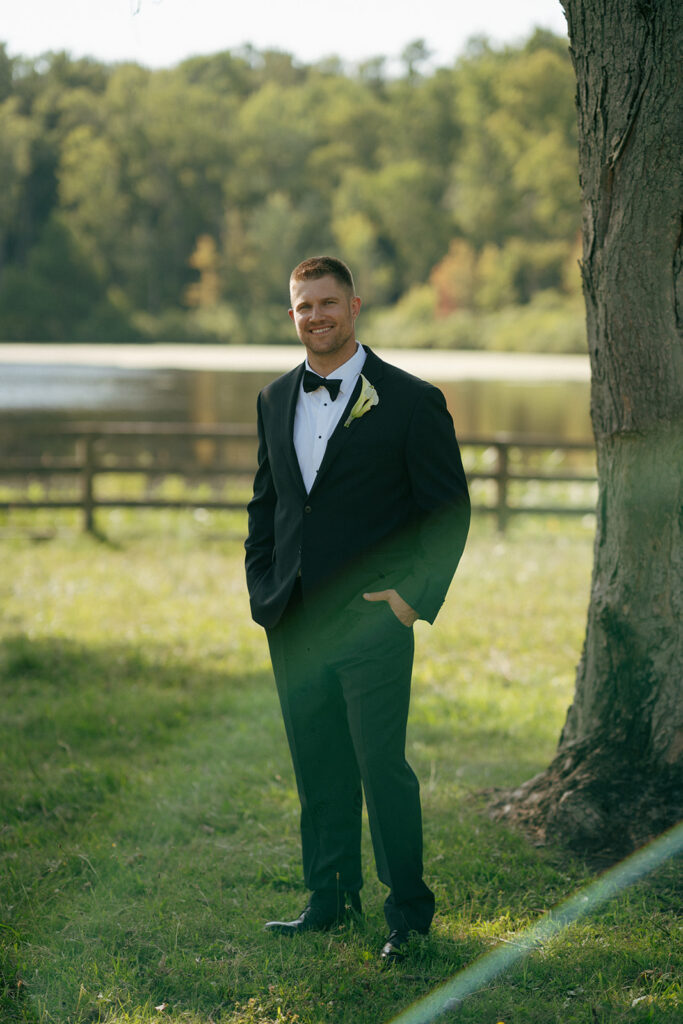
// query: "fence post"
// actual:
[[87, 452], [502, 480]]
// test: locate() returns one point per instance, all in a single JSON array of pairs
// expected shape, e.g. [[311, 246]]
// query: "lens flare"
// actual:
[[450, 995]]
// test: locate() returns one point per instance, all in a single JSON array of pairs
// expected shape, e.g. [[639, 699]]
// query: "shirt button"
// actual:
[[307, 508]]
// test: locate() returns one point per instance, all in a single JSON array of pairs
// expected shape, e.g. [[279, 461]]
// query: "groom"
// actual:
[[357, 522]]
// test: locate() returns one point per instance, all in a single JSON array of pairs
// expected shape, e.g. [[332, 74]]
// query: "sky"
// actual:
[[160, 33]]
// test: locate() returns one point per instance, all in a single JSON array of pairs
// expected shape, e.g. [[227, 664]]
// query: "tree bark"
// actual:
[[617, 778]]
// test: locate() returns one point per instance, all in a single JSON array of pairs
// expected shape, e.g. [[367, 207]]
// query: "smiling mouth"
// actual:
[[321, 330]]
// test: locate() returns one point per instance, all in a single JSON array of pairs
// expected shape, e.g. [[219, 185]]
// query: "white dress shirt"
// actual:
[[317, 415]]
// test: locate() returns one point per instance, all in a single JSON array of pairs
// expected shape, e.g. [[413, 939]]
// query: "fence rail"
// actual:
[[86, 451]]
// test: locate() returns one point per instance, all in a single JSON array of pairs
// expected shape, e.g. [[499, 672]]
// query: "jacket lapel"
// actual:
[[287, 427], [372, 371]]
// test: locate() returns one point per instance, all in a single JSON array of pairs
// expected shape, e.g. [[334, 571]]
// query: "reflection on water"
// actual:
[[480, 408], [557, 409]]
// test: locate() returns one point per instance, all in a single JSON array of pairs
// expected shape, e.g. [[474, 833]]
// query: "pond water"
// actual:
[[58, 392]]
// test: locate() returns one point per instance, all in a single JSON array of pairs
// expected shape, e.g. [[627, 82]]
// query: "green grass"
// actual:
[[149, 821]]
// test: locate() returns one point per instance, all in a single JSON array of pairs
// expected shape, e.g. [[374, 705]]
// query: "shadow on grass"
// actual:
[[15, 1007], [79, 718]]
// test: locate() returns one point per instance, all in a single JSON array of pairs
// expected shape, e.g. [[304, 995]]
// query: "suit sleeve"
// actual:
[[441, 495], [260, 541]]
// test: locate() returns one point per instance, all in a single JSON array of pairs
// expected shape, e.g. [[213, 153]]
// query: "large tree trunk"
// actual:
[[618, 774]]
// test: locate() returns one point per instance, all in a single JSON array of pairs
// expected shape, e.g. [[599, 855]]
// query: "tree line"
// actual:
[[139, 204]]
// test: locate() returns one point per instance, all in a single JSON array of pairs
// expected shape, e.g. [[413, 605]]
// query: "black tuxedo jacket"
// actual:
[[389, 506]]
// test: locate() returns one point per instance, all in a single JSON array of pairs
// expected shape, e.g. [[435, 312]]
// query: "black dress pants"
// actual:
[[344, 688]]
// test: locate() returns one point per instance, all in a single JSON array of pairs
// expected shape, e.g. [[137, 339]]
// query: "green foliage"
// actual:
[[550, 322], [58, 294], [274, 161], [150, 817], [516, 175]]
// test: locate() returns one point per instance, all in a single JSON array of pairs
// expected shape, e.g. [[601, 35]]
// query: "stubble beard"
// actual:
[[328, 345]]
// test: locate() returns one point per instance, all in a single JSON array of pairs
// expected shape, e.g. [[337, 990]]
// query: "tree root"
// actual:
[[594, 801]]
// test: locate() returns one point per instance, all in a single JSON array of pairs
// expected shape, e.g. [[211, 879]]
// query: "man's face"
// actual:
[[324, 313]]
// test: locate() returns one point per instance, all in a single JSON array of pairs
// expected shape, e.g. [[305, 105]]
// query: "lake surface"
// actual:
[[529, 396]]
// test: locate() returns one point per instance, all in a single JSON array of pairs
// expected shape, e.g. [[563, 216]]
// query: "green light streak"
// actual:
[[471, 979]]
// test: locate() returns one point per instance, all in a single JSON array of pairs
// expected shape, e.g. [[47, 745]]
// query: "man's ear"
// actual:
[[355, 306], [291, 314]]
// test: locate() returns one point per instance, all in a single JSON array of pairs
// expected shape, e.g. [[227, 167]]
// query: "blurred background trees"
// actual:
[[144, 205]]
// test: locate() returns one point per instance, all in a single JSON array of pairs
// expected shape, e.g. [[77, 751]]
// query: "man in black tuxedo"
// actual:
[[357, 523]]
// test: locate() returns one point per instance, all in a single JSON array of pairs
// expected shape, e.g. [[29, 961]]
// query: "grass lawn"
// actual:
[[149, 821]]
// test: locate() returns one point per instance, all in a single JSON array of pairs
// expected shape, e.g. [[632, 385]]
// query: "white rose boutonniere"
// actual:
[[367, 398]]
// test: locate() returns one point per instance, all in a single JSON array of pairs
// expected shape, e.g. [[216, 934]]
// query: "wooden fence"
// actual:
[[82, 452]]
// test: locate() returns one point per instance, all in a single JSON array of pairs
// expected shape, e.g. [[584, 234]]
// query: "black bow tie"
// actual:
[[312, 382]]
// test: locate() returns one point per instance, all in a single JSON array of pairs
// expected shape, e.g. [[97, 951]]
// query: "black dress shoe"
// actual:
[[318, 916], [395, 947]]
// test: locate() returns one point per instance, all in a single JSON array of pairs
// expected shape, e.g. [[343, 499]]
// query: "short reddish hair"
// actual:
[[320, 266]]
